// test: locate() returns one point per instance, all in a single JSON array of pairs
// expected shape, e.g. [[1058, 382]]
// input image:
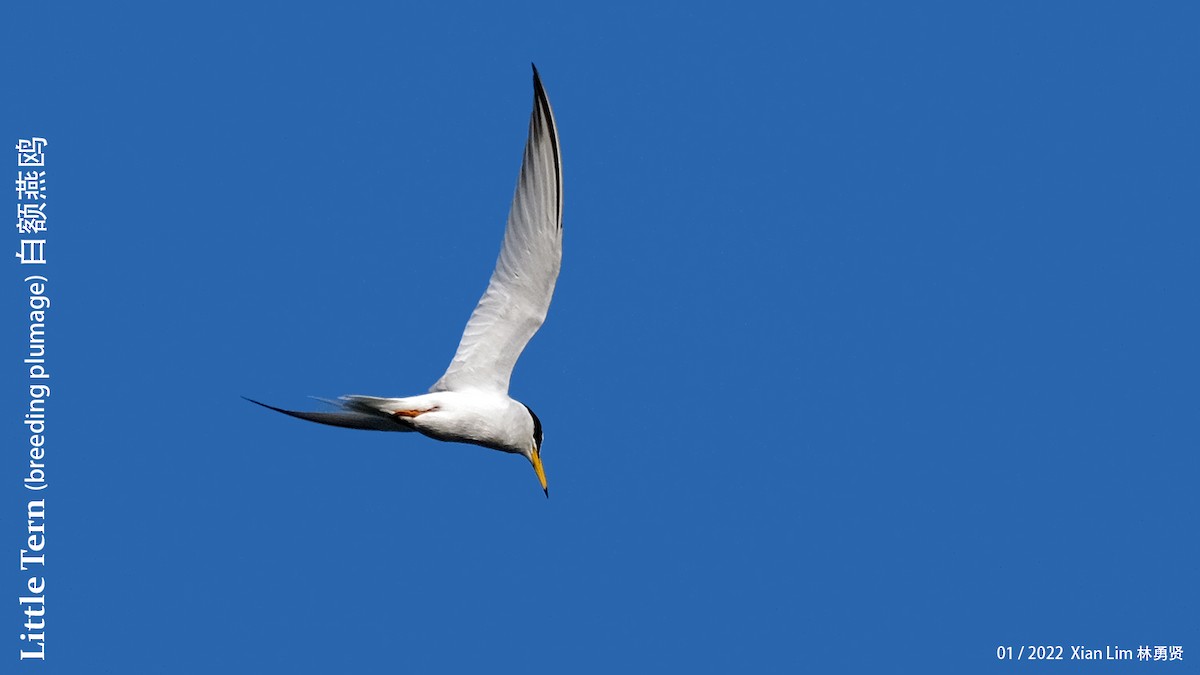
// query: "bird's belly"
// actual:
[[462, 427]]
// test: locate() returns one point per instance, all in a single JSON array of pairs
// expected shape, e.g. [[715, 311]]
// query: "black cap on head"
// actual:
[[537, 429]]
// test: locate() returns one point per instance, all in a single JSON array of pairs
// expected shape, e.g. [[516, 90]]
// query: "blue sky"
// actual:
[[873, 348]]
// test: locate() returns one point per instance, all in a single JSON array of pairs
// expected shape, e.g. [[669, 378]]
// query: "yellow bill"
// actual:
[[536, 458]]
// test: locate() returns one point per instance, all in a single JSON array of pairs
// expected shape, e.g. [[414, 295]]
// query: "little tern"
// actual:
[[470, 403]]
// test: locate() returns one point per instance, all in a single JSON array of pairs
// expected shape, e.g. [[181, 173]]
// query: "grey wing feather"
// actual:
[[518, 296], [350, 419]]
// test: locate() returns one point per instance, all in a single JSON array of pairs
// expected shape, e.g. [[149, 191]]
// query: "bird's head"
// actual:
[[534, 452]]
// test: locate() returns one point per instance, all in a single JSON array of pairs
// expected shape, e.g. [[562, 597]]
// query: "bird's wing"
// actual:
[[350, 418], [515, 303]]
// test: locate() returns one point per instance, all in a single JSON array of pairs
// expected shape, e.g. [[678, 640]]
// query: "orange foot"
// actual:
[[407, 413]]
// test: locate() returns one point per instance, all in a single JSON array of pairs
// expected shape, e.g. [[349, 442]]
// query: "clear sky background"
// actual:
[[874, 347]]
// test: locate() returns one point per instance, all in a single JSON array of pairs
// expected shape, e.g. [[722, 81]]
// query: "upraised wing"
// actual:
[[516, 300]]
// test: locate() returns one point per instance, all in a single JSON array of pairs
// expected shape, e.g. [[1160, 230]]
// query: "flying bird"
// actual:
[[470, 403]]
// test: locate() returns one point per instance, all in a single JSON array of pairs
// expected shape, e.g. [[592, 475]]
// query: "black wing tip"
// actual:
[[268, 407], [542, 100], [285, 411], [345, 419], [537, 82]]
